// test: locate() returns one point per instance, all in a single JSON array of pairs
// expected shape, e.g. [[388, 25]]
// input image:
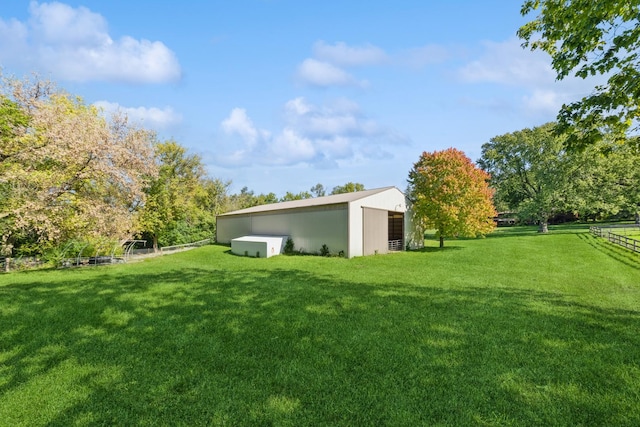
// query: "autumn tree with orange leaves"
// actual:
[[452, 195]]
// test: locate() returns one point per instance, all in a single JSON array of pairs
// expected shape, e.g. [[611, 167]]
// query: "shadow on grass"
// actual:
[[212, 346]]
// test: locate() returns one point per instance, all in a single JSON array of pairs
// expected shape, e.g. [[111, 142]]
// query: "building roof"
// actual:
[[306, 203]]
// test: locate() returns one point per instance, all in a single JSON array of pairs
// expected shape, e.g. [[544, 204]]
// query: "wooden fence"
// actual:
[[616, 238]]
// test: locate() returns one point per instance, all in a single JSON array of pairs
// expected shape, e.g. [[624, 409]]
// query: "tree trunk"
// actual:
[[155, 243], [544, 227], [441, 241], [637, 217]]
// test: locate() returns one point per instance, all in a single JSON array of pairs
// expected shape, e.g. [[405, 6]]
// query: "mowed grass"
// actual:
[[515, 329]]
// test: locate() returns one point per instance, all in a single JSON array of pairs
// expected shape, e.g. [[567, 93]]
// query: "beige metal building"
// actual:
[[361, 223]]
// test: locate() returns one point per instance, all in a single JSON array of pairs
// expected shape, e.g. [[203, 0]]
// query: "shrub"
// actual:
[[289, 246], [324, 250]]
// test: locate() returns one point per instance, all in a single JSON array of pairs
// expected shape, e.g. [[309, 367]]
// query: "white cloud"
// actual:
[[544, 101], [508, 63], [339, 146], [153, 117], [312, 134], [74, 44], [529, 75], [13, 42], [239, 123], [340, 117], [297, 106], [319, 73], [420, 57], [329, 64], [349, 56], [289, 147], [60, 24]]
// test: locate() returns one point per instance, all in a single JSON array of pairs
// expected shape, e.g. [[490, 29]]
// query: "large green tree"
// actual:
[[182, 201], [13, 125], [449, 193], [586, 38], [531, 171], [535, 175], [607, 181]]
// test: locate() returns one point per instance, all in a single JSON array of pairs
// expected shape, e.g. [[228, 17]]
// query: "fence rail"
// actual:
[[8, 264], [185, 246], [618, 239], [21, 263]]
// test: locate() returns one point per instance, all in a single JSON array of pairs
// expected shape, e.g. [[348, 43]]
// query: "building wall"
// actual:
[[339, 226], [230, 227], [309, 228], [389, 200], [375, 231]]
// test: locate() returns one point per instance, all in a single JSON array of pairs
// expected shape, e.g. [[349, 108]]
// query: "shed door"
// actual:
[[375, 231]]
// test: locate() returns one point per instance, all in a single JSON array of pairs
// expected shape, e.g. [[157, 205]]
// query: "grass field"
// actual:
[[629, 232], [515, 329]]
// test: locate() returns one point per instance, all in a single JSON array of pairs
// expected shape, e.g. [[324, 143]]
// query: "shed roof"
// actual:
[[305, 203]]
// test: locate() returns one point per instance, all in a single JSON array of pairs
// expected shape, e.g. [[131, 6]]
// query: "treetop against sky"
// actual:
[[279, 95]]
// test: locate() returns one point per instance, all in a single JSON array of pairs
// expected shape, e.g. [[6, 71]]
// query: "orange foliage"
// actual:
[[451, 194]]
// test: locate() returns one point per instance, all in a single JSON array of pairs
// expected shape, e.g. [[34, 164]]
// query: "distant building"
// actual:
[[354, 224]]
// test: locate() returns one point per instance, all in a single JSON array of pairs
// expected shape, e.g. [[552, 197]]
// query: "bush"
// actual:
[[289, 246], [324, 250]]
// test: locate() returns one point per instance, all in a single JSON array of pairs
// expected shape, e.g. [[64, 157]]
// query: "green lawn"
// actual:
[[633, 232], [515, 329]]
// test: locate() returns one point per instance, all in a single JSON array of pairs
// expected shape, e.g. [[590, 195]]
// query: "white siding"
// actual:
[[338, 225], [230, 227], [390, 200], [309, 228]]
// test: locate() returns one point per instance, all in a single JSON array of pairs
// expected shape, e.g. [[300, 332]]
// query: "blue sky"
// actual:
[[278, 95]]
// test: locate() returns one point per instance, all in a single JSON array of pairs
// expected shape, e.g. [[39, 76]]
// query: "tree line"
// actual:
[[70, 175], [539, 176]]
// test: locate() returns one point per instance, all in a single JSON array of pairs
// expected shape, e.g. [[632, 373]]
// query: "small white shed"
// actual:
[[258, 246]]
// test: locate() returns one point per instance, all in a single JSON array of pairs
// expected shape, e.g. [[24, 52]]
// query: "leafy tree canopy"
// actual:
[[318, 190], [349, 187], [589, 38], [289, 196], [536, 176], [531, 172], [182, 201]]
